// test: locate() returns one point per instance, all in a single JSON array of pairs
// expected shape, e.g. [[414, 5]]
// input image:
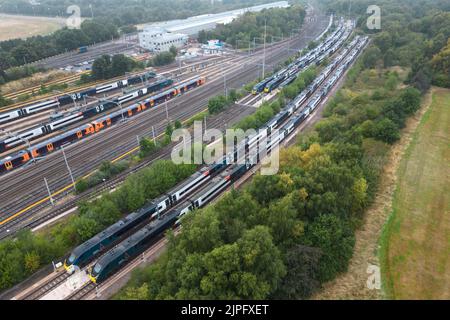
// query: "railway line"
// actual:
[[82, 159], [14, 95], [87, 289], [38, 120], [165, 70]]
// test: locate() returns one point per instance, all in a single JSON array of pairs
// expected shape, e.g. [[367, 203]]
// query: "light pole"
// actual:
[[264, 50], [68, 168], [224, 81]]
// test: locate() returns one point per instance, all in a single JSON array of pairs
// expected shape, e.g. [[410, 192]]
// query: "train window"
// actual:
[[130, 113], [79, 134], [108, 121], [50, 147], [8, 165]]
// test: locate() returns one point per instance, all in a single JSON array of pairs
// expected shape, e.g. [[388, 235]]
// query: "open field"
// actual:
[[365, 262], [416, 239], [12, 26]]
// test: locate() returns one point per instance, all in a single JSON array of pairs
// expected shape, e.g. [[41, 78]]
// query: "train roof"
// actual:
[[13, 156], [108, 232], [149, 230], [187, 181], [60, 136]]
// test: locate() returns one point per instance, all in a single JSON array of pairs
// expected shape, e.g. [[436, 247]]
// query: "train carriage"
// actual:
[[12, 162]]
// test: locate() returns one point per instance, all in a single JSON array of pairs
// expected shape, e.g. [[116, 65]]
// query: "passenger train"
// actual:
[[52, 144], [73, 97], [318, 54], [75, 117]]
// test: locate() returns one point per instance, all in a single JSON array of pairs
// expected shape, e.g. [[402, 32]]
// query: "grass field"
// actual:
[[415, 244], [12, 26]]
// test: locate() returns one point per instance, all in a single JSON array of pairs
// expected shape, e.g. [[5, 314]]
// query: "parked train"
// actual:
[[75, 117], [72, 97], [129, 248], [290, 73], [135, 244], [24, 156], [84, 253]]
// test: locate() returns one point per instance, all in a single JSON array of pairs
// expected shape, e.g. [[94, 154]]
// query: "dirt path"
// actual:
[[364, 265]]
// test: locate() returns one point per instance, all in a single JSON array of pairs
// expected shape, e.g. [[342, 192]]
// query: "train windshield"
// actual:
[[97, 268], [71, 258]]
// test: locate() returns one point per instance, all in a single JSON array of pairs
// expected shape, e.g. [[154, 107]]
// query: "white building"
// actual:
[[191, 26], [158, 40]]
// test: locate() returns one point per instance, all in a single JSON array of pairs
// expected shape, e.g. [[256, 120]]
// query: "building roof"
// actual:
[[193, 23]]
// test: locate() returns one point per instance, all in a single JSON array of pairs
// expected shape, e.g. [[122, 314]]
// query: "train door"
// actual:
[[130, 113], [108, 122], [8, 165], [50, 147], [79, 134], [26, 157]]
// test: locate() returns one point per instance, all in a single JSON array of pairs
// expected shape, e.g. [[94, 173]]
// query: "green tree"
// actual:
[[301, 280], [335, 239], [32, 261]]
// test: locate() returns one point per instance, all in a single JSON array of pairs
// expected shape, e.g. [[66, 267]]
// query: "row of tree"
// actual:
[[248, 29], [412, 33], [106, 67], [27, 253], [17, 52]]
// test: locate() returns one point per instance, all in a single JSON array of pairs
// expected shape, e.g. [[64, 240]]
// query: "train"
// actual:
[[317, 55], [136, 243], [78, 116], [73, 97], [52, 144], [84, 253], [75, 117]]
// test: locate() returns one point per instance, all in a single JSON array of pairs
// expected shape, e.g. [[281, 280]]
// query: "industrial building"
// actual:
[[160, 36], [158, 40]]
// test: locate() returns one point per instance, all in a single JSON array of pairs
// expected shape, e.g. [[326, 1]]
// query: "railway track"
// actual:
[[43, 215], [68, 79], [82, 292], [46, 287], [162, 70], [83, 160]]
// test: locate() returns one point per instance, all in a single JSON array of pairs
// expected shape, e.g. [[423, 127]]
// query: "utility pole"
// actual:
[[68, 168], [224, 81], [167, 111], [153, 131], [264, 50], [49, 193]]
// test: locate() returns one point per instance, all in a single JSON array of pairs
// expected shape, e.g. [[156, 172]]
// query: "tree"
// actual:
[[335, 239], [267, 188], [173, 51], [387, 131], [139, 293], [120, 65], [101, 68], [301, 281], [371, 56], [32, 261]]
